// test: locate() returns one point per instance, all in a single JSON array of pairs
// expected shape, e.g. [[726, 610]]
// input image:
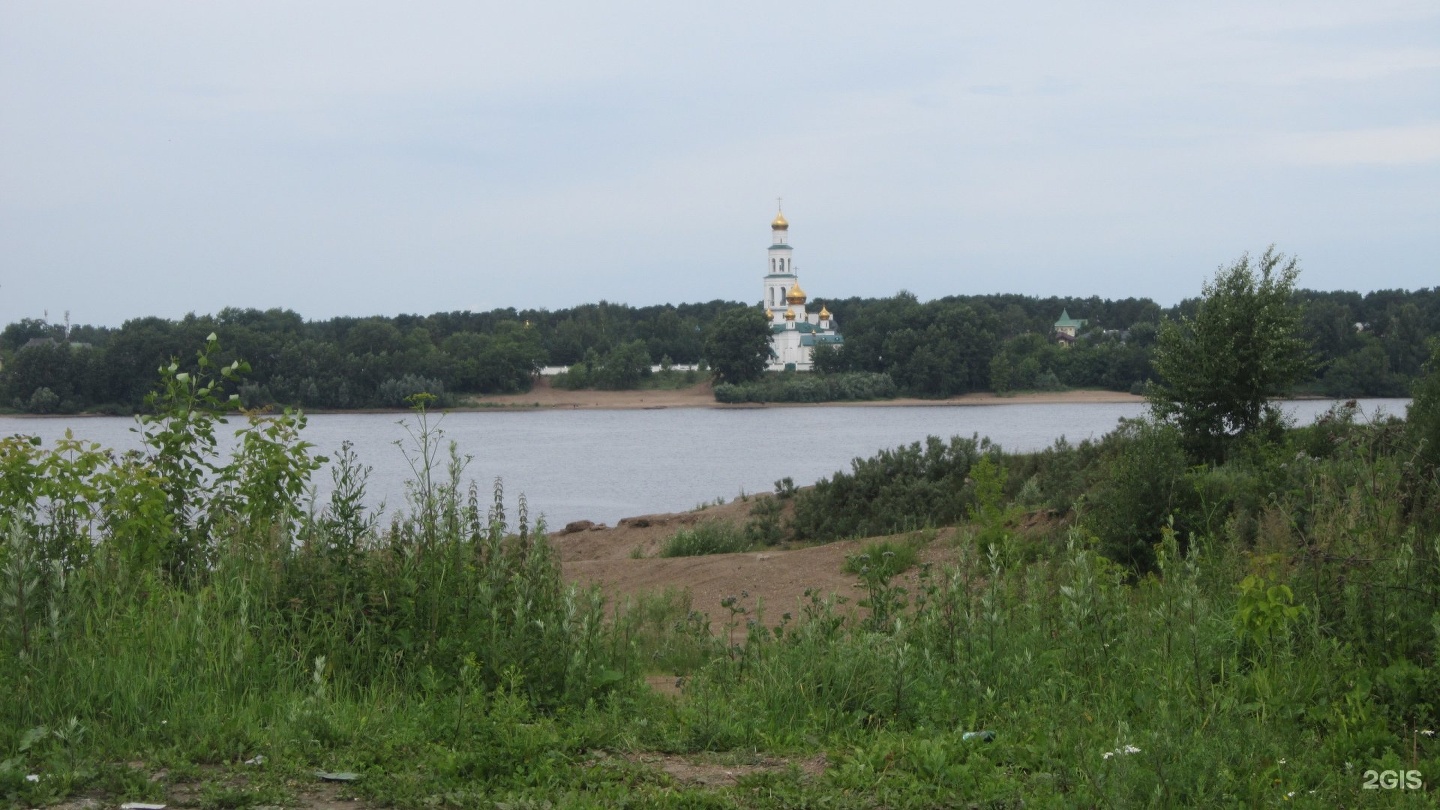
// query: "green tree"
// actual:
[[624, 366], [1219, 368], [738, 345]]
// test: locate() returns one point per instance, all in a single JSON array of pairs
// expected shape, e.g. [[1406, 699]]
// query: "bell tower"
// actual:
[[781, 273]]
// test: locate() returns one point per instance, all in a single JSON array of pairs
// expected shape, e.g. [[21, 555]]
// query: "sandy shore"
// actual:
[[702, 396]]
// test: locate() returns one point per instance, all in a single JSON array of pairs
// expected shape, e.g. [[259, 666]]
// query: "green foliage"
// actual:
[[896, 490], [737, 345], [1423, 414], [1141, 486], [1243, 346], [707, 537], [990, 511], [1265, 610], [882, 560], [765, 527], [396, 392], [622, 368], [808, 387], [1368, 345]]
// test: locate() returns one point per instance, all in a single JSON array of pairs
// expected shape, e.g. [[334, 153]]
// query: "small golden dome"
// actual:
[[779, 222], [789, 314], [796, 295], [769, 316], [824, 314]]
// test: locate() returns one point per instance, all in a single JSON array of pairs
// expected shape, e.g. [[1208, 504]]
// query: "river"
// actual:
[[603, 465]]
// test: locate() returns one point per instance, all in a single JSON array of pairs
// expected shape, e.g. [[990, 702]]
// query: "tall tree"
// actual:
[[738, 345], [1219, 368]]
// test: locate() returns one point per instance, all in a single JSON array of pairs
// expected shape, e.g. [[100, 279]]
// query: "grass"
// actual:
[[882, 559], [708, 537]]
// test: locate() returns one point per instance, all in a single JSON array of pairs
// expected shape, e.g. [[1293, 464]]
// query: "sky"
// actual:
[[341, 158]]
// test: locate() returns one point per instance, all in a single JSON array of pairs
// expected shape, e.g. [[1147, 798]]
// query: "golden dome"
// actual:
[[824, 313], [796, 295], [769, 316], [779, 222], [789, 314]]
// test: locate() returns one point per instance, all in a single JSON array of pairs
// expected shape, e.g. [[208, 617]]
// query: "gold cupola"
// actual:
[[769, 316], [796, 295], [824, 313], [779, 223], [789, 314]]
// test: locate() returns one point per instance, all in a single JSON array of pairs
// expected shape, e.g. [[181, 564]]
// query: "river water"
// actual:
[[604, 465]]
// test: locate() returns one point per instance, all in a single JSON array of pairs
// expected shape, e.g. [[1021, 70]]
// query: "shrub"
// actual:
[[43, 401], [882, 560], [1139, 488], [710, 537], [808, 387], [764, 527], [896, 490]]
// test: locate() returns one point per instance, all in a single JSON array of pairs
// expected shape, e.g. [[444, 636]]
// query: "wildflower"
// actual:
[[32, 777], [1428, 733], [1123, 751], [1281, 762], [1289, 796]]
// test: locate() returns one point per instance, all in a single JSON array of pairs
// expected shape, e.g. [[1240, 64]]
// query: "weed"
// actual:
[[707, 537]]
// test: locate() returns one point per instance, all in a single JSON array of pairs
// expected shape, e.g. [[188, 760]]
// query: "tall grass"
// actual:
[[709, 537]]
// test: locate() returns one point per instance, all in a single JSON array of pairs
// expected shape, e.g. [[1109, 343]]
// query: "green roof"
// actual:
[[1066, 320]]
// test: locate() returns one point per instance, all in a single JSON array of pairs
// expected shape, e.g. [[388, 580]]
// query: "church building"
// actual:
[[794, 331]]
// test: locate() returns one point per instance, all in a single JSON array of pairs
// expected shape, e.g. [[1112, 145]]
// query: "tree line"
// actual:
[[1362, 345]]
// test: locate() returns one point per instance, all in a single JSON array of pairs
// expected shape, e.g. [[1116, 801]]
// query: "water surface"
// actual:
[[603, 465]]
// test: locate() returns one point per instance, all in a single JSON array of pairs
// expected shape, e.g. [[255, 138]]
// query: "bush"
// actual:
[[882, 560], [764, 527], [808, 387], [896, 490], [711, 537], [43, 401], [1140, 487]]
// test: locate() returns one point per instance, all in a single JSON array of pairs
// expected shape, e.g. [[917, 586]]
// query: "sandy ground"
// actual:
[[702, 396], [621, 560]]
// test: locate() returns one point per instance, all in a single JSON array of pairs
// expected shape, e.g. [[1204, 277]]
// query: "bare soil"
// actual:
[[726, 769], [621, 561]]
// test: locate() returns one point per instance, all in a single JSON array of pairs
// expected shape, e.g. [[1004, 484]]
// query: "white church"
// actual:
[[794, 332]]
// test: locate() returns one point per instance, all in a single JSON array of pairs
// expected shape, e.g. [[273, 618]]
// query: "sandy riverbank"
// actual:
[[702, 396]]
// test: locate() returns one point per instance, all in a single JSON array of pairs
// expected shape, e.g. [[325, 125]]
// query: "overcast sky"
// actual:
[[341, 158]]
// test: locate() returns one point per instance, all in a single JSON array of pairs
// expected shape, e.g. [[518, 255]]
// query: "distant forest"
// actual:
[[1365, 345]]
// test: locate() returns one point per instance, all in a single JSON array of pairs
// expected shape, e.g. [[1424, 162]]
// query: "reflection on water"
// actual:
[[605, 465]]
